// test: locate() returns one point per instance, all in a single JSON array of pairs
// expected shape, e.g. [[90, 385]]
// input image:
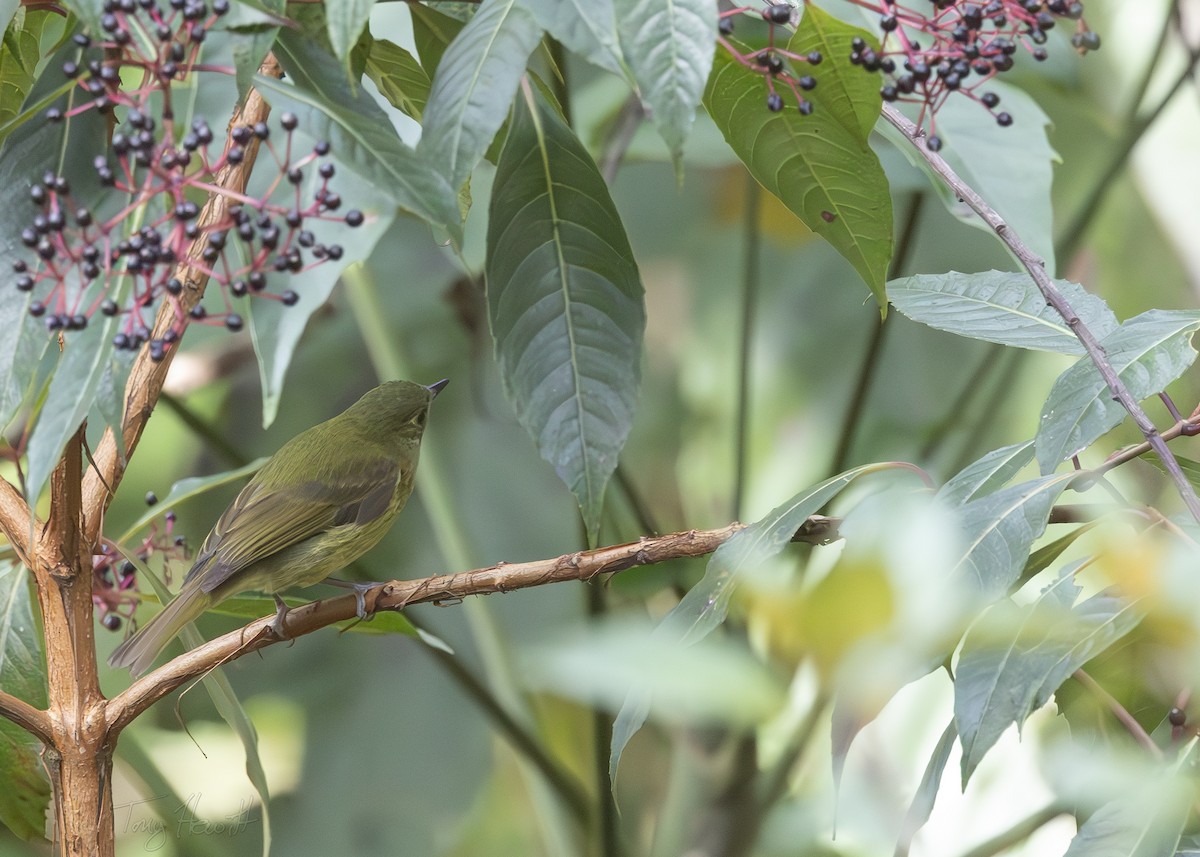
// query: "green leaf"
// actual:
[[26, 793], [224, 700], [399, 77], [587, 28], [989, 473], [1148, 352], [253, 28], [820, 166], [362, 136], [1041, 558], [81, 366], [345, 21], [1190, 468], [474, 86], [1015, 657], [20, 52], [1001, 527], [565, 302], [669, 47], [1000, 306], [432, 32], [1145, 822], [926, 794], [705, 605]]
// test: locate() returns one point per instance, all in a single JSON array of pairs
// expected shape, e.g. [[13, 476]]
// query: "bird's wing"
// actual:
[[263, 521]]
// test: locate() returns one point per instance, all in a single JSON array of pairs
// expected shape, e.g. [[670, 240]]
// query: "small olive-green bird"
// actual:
[[323, 500]]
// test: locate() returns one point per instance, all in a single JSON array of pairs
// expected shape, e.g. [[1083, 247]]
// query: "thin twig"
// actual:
[[1018, 833], [751, 260], [1120, 712], [1037, 270], [439, 589], [32, 720]]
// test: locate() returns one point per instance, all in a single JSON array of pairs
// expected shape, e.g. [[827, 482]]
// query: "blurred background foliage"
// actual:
[[372, 746]]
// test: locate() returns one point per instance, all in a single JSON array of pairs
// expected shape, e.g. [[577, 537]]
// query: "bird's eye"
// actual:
[[419, 419]]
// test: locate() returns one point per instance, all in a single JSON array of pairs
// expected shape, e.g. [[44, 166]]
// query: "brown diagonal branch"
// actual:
[[1037, 270], [443, 588], [146, 377]]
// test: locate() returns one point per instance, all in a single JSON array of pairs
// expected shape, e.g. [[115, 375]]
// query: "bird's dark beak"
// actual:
[[437, 388]]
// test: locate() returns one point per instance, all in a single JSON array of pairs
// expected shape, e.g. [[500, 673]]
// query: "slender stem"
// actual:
[[524, 743], [751, 260], [1120, 712], [1007, 366], [1037, 270], [602, 724], [1072, 234], [641, 511], [620, 136], [1156, 55], [1018, 833], [775, 782], [204, 429], [962, 400], [871, 360]]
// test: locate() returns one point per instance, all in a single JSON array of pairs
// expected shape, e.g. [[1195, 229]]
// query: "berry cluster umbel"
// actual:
[[114, 577], [774, 63], [123, 261], [934, 50], [956, 47]]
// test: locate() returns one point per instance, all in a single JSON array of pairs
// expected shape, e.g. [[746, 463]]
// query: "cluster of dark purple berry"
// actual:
[[958, 47], [773, 63], [114, 578], [124, 260]]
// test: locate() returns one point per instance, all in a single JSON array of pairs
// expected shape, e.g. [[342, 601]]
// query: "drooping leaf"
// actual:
[[84, 360], [432, 32], [1015, 657], [989, 473], [20, 52], [669, 46], [1000, 306], [1148, 352], [26, 792], [226, 702], [345, 21], [1001, 527], [926, 794], [1041, 558], [473, 87], [399, 77], [565, 302], [587, 28], [601, 663], [820, 166], [363, 139]]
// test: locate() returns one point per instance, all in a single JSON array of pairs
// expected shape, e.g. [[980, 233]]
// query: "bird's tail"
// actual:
[[140, 650]]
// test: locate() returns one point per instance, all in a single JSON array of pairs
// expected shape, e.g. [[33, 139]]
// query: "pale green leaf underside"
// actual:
[[473, 87], [1148, 352], [669, 46], [1000, 306]]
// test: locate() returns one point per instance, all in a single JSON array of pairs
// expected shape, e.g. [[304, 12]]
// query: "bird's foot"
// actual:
[[360, 595], [281, 611]]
